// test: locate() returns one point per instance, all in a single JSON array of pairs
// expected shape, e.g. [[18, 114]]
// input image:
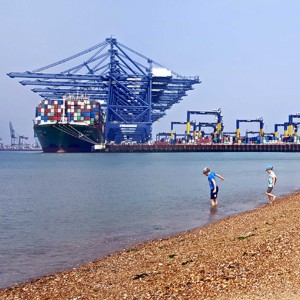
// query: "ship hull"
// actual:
[[60, 138]]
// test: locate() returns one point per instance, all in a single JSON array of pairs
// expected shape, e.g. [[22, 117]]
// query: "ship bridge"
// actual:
[[134, 90]]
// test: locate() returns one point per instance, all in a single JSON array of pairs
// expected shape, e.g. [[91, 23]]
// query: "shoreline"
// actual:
[[251, 255]]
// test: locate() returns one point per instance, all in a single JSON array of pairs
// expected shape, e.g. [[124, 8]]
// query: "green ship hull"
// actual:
[[68, 137]]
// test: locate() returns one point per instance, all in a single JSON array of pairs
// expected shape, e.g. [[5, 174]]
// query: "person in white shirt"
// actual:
[[271, 183]]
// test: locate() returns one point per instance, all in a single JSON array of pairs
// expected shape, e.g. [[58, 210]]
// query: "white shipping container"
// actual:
[[161, 72]]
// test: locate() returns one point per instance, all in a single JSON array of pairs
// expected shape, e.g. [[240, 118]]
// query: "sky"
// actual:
[[246, 52]]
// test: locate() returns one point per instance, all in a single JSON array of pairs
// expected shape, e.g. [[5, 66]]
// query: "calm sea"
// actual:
[[59, 211]]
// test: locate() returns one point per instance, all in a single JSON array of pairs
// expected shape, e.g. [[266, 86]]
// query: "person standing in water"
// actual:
[[271, 182], [214, 189]]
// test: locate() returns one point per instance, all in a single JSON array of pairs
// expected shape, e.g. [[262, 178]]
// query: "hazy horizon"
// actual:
[[246, 53]]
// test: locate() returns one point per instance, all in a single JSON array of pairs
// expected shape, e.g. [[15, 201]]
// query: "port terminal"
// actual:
[[98, 147]]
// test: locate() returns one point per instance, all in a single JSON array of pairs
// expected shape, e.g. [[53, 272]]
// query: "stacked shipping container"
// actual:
[[83, 111], [49, 111], [69, 110]]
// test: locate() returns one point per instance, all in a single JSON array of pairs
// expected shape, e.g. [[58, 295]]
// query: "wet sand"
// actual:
[[253, 255]]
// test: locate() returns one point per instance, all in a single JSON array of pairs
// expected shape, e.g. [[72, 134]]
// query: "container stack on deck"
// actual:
[[49, 111], [75, 111], [83, 111]]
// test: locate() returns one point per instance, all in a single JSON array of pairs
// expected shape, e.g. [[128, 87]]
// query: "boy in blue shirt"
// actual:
[[214, 189]]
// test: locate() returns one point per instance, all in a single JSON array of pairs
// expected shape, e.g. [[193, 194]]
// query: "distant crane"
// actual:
[[293, 126], [258, 120], [173, 133], [285, 132], [16, 139], [217, 112], [206, 124]]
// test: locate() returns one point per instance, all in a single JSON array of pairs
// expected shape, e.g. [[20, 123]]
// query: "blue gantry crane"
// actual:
[[201, 133], [134, 90], [216, 112], [292, 125], [257, 120], [285, 130], [190, 132], [174, 134]]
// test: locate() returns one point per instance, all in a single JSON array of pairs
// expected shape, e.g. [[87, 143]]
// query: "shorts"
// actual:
[[213, 195], [270, 188]]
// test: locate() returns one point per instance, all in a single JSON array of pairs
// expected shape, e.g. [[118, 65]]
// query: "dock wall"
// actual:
[[272, 147]]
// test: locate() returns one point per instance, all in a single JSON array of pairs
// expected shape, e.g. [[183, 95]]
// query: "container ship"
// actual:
[[73, 124]]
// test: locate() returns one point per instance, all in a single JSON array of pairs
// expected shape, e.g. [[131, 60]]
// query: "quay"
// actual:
[[268, 147]]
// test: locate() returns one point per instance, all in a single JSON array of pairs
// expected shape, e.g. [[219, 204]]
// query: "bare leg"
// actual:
[[271, 197], [214, 202]]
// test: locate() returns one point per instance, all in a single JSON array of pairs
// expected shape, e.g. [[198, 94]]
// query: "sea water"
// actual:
[[58, 211]]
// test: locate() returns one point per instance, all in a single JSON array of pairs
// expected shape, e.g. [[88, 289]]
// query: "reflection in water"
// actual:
[[213, 210], [213, 214]]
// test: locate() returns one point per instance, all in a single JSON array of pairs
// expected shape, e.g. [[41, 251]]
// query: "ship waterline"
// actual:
[[68, 138]]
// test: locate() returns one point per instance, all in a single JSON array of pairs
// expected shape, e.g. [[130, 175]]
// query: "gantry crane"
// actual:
[[206, 124], [290, 128], [257, 120], [293, 126], [174, 134], [134, 90], [285, 129], [16, 139], [216, 112], [293, 133]]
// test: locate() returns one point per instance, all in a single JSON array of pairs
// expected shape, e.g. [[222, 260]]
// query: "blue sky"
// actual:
[[246, 53]]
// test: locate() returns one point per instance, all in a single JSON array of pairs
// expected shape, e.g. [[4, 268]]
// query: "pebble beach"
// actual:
[[253, 255]]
